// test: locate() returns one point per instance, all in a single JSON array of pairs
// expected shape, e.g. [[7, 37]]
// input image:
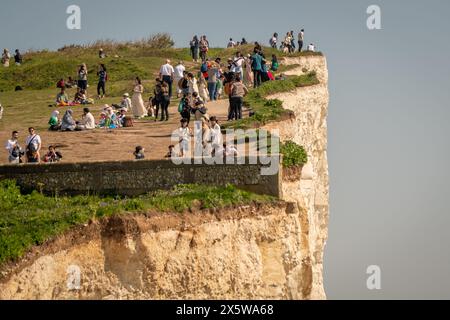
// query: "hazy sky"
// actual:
[[388, 119]]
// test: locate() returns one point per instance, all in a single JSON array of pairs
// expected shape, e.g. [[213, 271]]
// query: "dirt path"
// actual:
[[118, 144]]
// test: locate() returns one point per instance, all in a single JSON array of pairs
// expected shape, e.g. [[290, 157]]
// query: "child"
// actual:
[[139, 153], [275, 63], [184, 136], [171, 152], [52, 155]]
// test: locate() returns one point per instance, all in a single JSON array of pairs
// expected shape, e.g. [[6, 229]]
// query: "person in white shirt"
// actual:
[[216, 136], [14, 149], [184, 136], [1, 111], [87, 121], [238, 63], [178, 75], [166, 73], [274, 40], [231, 44], [311, 47], [33, 146]]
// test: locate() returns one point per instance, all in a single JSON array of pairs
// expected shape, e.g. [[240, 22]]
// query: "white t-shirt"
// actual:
[[311, 47], [36, 140], [237, 64], [10, 145], [166, 70], [178, 71], [89, 121]]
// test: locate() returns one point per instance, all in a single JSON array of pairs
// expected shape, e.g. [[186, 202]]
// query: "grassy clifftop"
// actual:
[[125, 61]]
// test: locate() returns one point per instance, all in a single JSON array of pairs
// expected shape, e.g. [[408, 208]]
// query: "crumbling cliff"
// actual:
[[254, 252]]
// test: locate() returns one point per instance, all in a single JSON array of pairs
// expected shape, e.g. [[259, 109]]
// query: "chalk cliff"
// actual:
[[254, 252]]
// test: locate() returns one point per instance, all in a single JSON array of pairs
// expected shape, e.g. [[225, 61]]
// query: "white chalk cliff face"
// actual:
[[264, 252]]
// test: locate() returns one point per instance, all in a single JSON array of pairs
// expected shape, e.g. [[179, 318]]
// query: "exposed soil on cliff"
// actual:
[[125, 225]]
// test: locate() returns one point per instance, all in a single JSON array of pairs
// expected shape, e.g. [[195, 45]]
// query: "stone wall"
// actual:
[[137, 177]]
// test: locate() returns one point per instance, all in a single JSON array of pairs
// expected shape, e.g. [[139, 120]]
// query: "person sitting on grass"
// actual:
[[87, 121], [52, 155], [68, 123], [139, 153], [61, 98], [125, 103], [61, 84], [54, 122], [171, 152], [121, 117]]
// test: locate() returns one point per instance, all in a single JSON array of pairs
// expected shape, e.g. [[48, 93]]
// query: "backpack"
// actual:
[[204, 68], [31, 146], [181, 106]]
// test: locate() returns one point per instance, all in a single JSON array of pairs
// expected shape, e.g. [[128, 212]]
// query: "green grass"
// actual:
[[31, 219], [294, 155], [267, 110]]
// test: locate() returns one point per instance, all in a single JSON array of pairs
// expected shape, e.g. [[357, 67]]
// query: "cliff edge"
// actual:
[[254, 252]]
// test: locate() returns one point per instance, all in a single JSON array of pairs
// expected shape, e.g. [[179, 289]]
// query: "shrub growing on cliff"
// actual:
[[31, 219], [266, 110], [294, 155]]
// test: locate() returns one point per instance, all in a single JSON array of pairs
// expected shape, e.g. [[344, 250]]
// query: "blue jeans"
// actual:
[[212, 90]]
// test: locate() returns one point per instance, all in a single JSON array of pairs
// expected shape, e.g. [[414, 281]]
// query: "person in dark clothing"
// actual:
[[185, 108], [195, 48], [157, 97], [165, 102], [102, 77], [18, 58]]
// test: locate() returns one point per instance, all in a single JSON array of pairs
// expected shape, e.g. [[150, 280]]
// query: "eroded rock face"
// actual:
[[309, 129], [256, 255], [268, 252]]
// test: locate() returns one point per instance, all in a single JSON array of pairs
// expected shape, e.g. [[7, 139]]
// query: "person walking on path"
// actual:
[[165, 102], [166, 73], [238, 92], [204, 48], [137, 102], [178, 75], [213, 72], [195, 48]]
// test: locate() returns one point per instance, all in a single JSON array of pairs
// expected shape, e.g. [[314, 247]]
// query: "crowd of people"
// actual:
[[214, 80]]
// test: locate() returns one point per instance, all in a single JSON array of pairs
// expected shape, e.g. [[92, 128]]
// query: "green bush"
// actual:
[[293, 154]]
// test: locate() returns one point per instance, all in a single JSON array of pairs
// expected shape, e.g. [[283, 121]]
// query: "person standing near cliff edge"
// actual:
[[301, 36]]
